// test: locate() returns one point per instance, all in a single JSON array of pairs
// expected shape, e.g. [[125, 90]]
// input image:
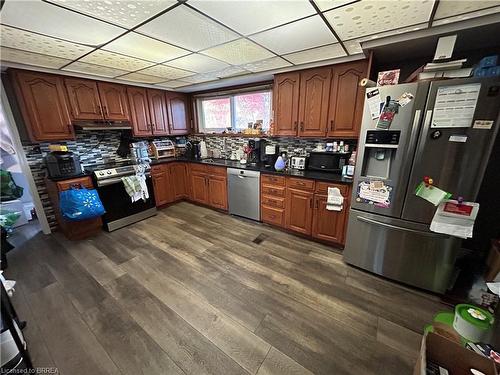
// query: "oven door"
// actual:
[[120, 210]]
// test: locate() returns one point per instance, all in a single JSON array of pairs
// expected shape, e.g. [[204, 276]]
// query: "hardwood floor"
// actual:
[[194, 291]]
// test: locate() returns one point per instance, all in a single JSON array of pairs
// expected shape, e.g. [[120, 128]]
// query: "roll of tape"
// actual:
[[471, 322], [365, 82]]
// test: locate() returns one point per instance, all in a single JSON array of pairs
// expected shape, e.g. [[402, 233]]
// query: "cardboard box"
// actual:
[[451, 356]]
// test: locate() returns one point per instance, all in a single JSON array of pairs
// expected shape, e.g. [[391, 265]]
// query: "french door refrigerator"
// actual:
[[446, 132]]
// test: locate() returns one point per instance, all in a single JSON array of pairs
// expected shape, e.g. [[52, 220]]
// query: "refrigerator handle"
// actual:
[[428, 116], [395, 227]]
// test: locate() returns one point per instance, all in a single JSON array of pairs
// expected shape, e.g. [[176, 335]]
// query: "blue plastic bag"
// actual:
[[80, 204]]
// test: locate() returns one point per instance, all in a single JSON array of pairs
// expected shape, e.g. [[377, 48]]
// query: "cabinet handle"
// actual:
[[99, 110], [301, 126], [105, 109], [331, 125], [317, 203], [295, 125], [69, 128]]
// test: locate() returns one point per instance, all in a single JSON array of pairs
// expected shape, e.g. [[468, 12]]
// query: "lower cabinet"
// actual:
[[178, 176], [328, 225], [199, 190], [217, 192], [162, 185], [299, 210], [209, 185]]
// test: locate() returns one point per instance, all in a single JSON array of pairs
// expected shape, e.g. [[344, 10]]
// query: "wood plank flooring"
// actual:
[[189, 291]]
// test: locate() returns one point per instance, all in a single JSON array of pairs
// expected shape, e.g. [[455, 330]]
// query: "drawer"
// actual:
[[218, 171], [66, 184], [269, 179], [273, 216], [322, 188], [198, 168], [273, 202], [300, 184], [273, 191], [155, 169]]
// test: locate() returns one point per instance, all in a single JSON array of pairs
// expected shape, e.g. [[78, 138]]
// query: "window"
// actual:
[[236, 111]]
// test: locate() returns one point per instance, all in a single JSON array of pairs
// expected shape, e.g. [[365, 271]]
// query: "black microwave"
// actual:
[[328, 161]]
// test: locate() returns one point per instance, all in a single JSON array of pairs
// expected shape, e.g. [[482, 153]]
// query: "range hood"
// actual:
[[100, 125]]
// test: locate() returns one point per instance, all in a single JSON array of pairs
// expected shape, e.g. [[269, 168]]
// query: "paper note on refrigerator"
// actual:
[[373, 99], [458, 222], [455, 105], [431, 193]]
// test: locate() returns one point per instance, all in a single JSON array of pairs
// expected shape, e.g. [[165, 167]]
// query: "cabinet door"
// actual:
[[217, 192], [139, 111], [158, 112], [328, 225], [44, 106], [83, 99], [199, 188], [286, 103], [299, 210], [178, 113], [114, 101], [346, 100], [161, 184], [178, 178], [313, 103]]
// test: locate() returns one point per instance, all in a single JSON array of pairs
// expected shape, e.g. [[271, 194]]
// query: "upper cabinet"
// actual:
[[43, 104], [286, 103], [158, 112], [178, 110], [346, 99], [320, 102], [90, 100], [139, 111]]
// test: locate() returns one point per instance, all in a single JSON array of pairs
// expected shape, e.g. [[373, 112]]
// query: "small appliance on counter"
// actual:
[[269, 154], [62, 163], [140, 152], [255, 145], [298, 162], [328, 161], [163, 149], [193, 150], [180, 146]]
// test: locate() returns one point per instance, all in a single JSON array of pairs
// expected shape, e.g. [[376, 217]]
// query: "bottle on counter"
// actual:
[[348, 170], [335, 146], [341, 146]]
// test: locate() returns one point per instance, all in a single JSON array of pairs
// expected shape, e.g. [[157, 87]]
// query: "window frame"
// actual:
[[231, 95]]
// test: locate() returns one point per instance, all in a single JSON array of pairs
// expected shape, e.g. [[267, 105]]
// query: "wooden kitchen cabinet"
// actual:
[[346, 99], [178, 109], [162, 184], [217, 192], [158, 112], [44, 105], [299, 210], [313, 102], [84, 99], [178, 178], [286, 103], [114, 101], [139, 111], [328, 225], [199, 188]]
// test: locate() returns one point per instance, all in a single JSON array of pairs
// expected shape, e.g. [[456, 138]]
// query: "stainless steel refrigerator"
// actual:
[[446, 132]]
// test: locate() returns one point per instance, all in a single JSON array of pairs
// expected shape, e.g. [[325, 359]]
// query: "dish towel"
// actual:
[[335, 199], [136, 187]]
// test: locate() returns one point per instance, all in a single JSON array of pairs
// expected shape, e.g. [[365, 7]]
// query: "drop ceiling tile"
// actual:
[[353, 46], [167, 72], [97, 70], [141, 78], [372, 16], [238, 52], [25, 40], [248, 17], [124, 13], [115, 60], [462, 17], [296, 36], [267, 64], [173, 84], [199, 78], [197, 63], [449, 8], [146, 48], [187, 28], [30, 58], [51, 20], [325, 5], [331, 51], [231, 71]]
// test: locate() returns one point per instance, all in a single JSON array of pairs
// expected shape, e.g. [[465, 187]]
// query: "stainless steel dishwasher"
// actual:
[[244, 193]]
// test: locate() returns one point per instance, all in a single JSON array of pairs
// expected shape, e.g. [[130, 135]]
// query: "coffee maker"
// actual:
[[193, 150], [256, 146], [269, 153]]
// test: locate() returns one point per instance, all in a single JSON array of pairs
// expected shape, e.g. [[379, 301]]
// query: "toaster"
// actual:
[[298, 162]]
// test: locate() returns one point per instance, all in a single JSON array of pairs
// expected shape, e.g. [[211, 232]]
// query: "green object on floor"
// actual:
[[444, 317]]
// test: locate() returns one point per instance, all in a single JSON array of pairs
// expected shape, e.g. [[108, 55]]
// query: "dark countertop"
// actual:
[[83, 174], [313, 175]]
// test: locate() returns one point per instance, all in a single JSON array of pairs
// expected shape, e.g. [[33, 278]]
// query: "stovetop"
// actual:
[[110, 165]]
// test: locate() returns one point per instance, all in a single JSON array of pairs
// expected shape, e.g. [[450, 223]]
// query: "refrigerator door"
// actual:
[[385, 156], [455, 158], [402, 251]]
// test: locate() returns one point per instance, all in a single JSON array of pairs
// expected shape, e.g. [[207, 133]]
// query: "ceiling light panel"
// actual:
[[448, 8], [372, 16], [124, 13], [198, 63], [146, 48], [248, 17], [267, 64], [115, 60], [25, 40], [238, 52], [30, 58], [307, 33], [466, 16], [187, 28], [331, 51], [141, 78], [325, 5], [173, 84], [51, 20], [96, 70], [166, 72]]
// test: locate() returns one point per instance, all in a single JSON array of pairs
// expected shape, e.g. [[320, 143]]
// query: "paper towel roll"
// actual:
[[365, 82]]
